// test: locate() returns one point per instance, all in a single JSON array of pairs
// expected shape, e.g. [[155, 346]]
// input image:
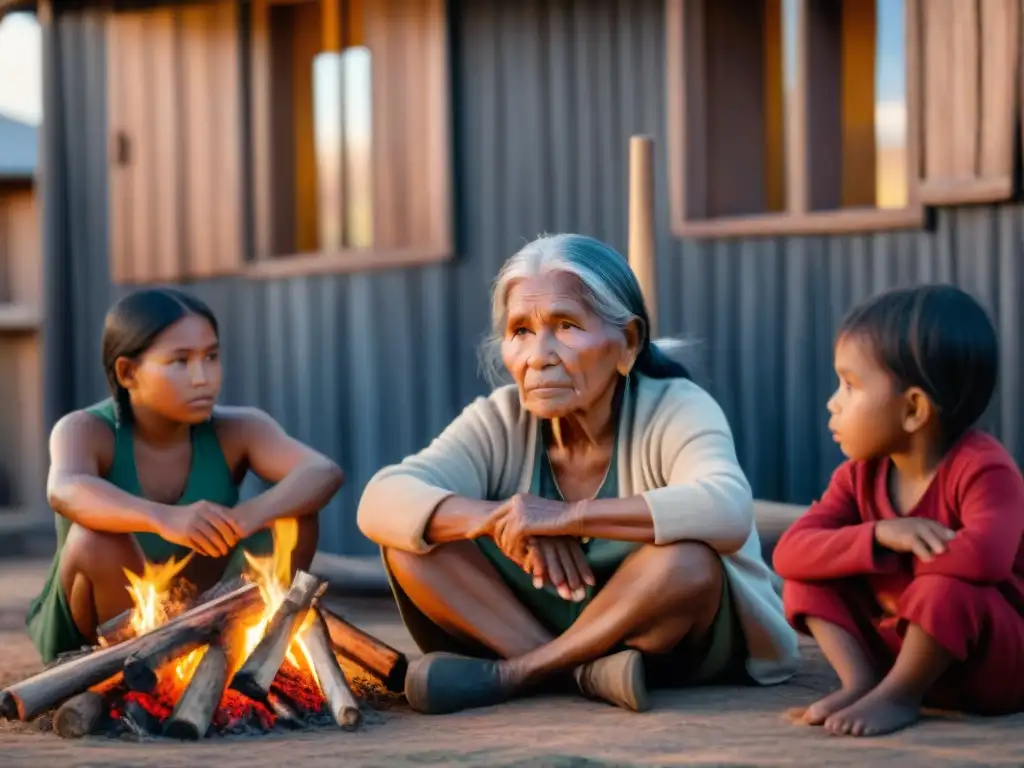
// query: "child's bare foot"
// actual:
[[874, 714], [821, 710]]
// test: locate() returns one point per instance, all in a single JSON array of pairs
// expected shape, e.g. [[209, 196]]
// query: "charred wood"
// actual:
[[375, 656], [259, 670]]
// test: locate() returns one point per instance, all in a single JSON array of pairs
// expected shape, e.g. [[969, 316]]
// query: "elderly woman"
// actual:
[[591, 518]]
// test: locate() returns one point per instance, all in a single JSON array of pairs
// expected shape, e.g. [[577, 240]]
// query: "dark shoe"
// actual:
[[617, 679], [441, 683]]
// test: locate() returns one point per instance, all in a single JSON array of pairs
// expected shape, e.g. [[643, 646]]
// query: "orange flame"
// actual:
[[273, 575], [150, 593]]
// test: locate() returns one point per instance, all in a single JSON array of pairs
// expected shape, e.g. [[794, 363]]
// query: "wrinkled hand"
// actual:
[[204, 526], [525, 517], [923, 538], [559, 561]]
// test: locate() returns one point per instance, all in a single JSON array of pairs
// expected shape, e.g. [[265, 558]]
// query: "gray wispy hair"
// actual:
[[609, 288]]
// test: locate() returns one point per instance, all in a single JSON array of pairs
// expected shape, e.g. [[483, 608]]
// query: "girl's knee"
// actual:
[[99, 556]]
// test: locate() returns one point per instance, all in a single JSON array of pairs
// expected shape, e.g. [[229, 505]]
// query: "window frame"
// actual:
[[258, 162], [797, 218]]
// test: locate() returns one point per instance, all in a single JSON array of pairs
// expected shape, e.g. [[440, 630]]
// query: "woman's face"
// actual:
[[563, 356], [179, 376]]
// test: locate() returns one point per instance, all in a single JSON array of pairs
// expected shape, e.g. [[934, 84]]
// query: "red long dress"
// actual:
[[970, 599]]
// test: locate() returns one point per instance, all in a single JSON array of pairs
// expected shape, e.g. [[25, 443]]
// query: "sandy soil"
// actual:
[[713, 726]]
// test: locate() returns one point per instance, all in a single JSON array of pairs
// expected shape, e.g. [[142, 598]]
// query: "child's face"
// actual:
[[179, 376], [867, 408]]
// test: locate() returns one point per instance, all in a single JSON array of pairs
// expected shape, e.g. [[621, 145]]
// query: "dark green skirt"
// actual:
[[719, 657]]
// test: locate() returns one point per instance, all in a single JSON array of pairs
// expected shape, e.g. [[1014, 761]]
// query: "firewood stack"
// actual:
[[184, 679]]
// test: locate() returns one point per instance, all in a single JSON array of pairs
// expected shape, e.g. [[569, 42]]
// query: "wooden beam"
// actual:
[[641, 223]]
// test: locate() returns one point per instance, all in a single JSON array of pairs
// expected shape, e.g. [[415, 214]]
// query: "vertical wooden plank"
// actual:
[[677, 99], [260, 123], [198, 99], [386, 76], [859, 53], [824, 104], [120, 170], [1000, 73], [164, 155], [31, 440], [774, 106], [965, 53], [415, 45], [21, 235], [226, 134], [138, 130], [7, 254], [937, 16], [796, 127], [438, 155], [305, 43]]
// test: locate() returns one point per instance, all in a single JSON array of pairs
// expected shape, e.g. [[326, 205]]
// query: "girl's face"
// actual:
[[563, 356], [868, 412], [179, 376]]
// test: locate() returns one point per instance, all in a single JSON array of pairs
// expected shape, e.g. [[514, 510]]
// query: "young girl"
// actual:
[[910, 570], [154, 472]]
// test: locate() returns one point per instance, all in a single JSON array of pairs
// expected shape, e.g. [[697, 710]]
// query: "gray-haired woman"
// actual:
[[591, 518]]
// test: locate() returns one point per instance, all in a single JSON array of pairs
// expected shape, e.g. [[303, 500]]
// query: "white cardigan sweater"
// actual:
[[675, 448]]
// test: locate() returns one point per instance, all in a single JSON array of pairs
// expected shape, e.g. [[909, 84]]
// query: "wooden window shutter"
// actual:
[[174, 101], [408, 40], [970, 88]]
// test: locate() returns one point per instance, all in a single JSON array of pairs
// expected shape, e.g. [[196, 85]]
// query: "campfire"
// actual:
[[258, 652]]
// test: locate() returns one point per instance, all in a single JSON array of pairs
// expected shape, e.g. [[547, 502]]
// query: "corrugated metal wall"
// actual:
[[369, 366]]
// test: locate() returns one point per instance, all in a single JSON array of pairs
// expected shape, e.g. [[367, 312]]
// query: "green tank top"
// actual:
[[49, 621], [209, 479]]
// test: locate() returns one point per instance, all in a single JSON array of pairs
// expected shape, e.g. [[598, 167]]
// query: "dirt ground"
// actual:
[[712, 726]]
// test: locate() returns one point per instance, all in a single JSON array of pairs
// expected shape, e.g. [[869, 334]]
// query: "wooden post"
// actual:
[[330, 26], [641, 222]]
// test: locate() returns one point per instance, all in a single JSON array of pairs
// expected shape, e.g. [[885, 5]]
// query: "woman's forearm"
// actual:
[[305, 490], [94, 503], [457, 518], [626, 519]]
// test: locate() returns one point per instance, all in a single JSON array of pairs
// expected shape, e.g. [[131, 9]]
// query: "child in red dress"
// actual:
[[909, 572]]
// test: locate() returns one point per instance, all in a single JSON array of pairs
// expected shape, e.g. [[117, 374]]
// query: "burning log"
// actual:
[[379, 659], [258, 671], [31, 697], [193, 713], [119, 628], [333, 685], [79, 715], [140, 669]]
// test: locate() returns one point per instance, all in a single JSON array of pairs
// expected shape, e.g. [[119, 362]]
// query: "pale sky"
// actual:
[[21, 81]]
